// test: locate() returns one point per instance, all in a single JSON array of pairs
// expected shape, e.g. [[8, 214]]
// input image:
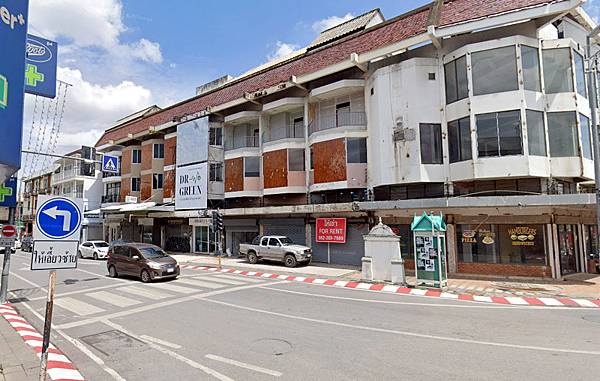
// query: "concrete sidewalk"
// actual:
[[581, 286], [18, 362]]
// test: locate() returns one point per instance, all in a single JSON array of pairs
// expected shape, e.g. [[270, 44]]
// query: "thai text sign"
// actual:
[[54, 255], [331, 230]]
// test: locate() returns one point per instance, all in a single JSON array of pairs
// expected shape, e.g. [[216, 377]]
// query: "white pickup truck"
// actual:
[[276, 248]]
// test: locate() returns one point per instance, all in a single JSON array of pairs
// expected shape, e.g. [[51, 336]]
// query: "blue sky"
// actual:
[[124, 55]]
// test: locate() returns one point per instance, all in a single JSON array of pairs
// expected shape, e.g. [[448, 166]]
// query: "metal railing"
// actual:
[[291, 131], [340, 119], [241, 142], [65, 175]]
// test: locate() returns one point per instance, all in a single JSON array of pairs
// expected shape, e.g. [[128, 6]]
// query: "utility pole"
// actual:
[[592, 91]]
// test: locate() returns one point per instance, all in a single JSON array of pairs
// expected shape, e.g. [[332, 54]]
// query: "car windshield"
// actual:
[[101, 244], [285, 241], [152, 252]]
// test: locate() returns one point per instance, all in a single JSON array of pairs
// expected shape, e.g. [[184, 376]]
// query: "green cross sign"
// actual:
[[5, 191], [3, 91], [32, 76]]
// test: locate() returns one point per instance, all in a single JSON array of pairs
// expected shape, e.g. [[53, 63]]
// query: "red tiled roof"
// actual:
[[394, 30]]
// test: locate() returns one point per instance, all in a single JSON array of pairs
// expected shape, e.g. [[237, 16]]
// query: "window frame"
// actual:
[[527, 71], [252, 173], [529, 125], [215, 172], [478, 92], [303, 162], [435, 134], [461, 155], [570, 80], [574, 134], [158, 150], [499, 135], [134, 181], [458, 94], [158, 181], [215, 136], [361, 156], [586, 145], [133, 156]]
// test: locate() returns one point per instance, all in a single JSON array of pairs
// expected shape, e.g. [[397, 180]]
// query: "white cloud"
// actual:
[[90, 23], [282, 49], [330, 22]]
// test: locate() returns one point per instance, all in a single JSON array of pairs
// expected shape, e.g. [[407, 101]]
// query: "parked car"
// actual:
[[2, 249], [276, 248], [17, 244], [27, 244], [146, 261], [93, 249]]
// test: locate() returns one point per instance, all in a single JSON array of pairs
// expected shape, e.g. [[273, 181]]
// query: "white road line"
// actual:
[[144, 292], [201, 283], [237, 278], [406, 333], [161, 342], [114, 299], [172, 287], [78, 307], [244, 365], [169, 352], [82, 291], [116, 376]]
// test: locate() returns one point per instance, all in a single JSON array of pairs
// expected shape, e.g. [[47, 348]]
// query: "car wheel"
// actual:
[[252, 258], [145, 276], [112, 272], [95, 256], [290, 261]]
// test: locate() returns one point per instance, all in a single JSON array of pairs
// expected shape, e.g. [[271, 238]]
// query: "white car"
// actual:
[[93, 249]]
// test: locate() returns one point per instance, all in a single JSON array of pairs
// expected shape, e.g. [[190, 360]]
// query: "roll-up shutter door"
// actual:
[[349, 253], [294, 229]]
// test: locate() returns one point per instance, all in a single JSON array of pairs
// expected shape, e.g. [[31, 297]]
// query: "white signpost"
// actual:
[[55, 244]]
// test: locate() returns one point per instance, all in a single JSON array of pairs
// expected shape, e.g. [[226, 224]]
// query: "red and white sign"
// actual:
[[9, 231], [331, 230]]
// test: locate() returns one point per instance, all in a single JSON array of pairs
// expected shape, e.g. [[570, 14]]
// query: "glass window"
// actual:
[[562, 134], [157, 181], [531, 68], [216, 172], [159, 151], [274, 242], [431, 143], [296, 160], [135, 184], [215, 136], [499, 134], [536, 134], [557, 70], [252, 167], [586, 137], [264, 241], [455, 74], [579, 74], [459, 140], [136, 156], [494, 70], [509, 244], [357, 150]]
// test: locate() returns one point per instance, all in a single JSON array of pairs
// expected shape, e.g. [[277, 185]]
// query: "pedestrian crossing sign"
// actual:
[[110, 164]]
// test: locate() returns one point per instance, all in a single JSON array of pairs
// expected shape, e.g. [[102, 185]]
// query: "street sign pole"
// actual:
[[5, 272], [47, 325]]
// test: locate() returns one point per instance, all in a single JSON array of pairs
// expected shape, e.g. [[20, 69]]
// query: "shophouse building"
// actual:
[[477, 110]]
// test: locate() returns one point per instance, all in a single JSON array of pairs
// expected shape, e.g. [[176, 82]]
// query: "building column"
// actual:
[[582, 265], [556, 257], [452, 249], [308, 235]]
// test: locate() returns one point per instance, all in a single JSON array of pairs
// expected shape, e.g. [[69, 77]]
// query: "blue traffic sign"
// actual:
[[58, 218], [110, 164], [40, 66]]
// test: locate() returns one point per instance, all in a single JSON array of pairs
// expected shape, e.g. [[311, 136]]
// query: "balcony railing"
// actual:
[[108, 174], [241, 142], [291, 131], [340, 119], [110, 198]]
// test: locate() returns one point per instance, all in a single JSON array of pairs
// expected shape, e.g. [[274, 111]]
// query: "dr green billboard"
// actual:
[[13, 34]]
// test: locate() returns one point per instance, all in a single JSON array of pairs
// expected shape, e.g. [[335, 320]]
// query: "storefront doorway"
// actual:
[[567, 248], [204, 240]]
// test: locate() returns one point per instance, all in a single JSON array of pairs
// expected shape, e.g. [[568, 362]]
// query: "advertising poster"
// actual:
[[191, 186]]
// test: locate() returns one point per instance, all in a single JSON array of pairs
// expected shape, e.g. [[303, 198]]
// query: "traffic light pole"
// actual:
[[6, 266]]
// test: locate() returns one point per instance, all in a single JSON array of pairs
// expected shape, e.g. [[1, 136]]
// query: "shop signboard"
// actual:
[[331, 230], [13, 33], [40, 67], [8, 192], [191, 186]]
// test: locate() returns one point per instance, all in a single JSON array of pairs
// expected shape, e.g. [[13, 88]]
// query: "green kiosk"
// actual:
[[429, 233]]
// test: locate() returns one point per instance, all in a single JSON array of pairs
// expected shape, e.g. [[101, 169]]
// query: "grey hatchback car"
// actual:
[[148, 262]]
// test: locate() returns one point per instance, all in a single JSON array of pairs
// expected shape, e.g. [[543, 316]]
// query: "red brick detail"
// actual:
[[147, 157], [170, 151], [125, 188], [275, 170], [146, 186], [234, 175], [505, 269], [169, 184], [125, 162]]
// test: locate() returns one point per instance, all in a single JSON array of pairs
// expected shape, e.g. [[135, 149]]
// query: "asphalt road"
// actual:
[[206, 326]]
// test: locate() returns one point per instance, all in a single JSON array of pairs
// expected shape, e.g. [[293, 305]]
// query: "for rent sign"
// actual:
[[331, 230]]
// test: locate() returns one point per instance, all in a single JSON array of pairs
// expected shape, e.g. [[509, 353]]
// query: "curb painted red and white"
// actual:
[[393, 289], [60, 368]]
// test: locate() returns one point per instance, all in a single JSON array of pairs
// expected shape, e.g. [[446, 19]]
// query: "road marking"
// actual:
[[114, 299], [77, 307], [227, 281], [201, 283], [234, 277], [82, 291], [149, 307], [244, 365], [550, 302], [145, 292], [406, 333], [169, 352], [584, 303], [172, 287], [161, 342], [116, 376]]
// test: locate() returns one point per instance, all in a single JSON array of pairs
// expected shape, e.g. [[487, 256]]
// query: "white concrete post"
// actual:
[[367, 268]]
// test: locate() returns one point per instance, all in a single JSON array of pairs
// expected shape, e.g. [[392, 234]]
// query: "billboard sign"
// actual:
[[13, 33], [192, 141], [8, 192], [331, 230], [40, 66], [191, 186]]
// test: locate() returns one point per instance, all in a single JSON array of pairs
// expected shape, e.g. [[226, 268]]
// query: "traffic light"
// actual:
[[219, 221]]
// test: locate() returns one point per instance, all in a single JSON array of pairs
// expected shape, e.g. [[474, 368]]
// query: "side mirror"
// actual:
[[136, 257]]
